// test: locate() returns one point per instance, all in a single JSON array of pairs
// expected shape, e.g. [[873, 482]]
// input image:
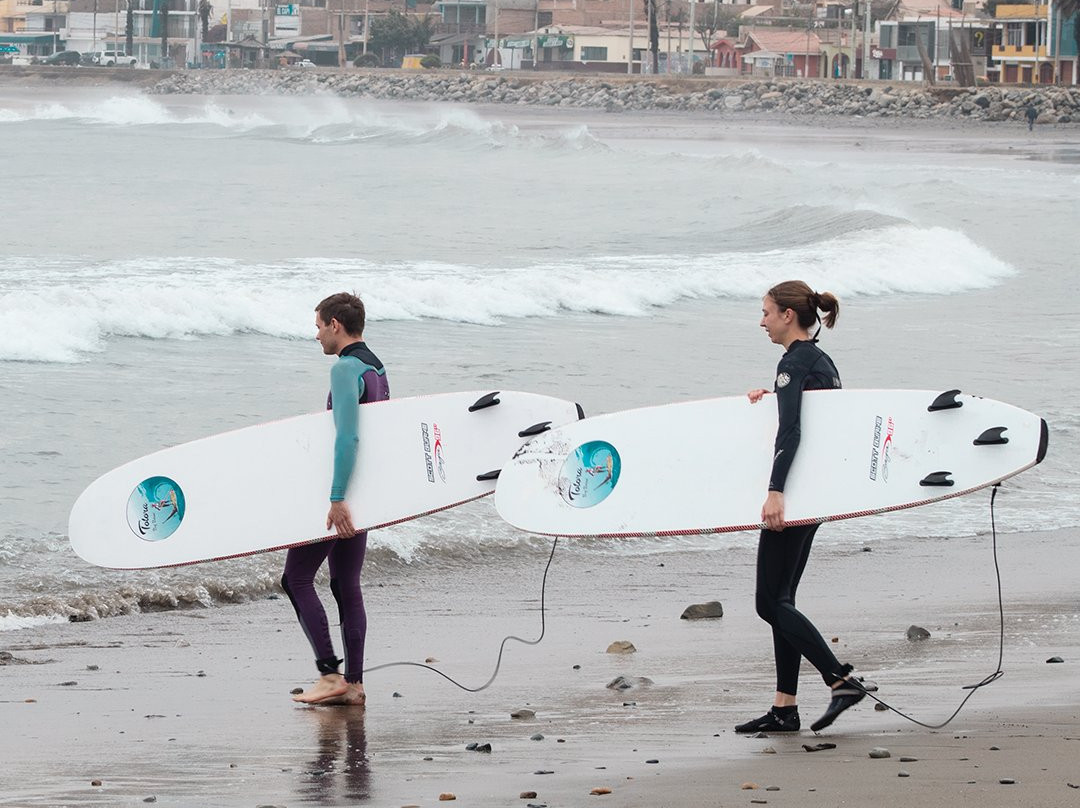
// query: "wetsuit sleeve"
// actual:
[[789, 433], [346, 387]]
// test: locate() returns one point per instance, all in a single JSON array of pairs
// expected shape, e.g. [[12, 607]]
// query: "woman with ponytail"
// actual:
[[789, 311]]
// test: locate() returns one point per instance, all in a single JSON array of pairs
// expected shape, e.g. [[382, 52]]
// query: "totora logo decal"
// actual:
[[155, 508], [589, 474]]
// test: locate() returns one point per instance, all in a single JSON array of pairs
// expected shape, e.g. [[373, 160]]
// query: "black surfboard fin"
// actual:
[[494, 475], [580, 412], [484, 402], [937, 478], [992, 437], [535, 429], [1044, 441], [946, 401]]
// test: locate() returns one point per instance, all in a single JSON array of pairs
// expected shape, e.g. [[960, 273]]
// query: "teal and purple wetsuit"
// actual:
[[358, 375]]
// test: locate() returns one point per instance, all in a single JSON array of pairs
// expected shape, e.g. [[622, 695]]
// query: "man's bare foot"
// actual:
[[330, 686], [353, 697]]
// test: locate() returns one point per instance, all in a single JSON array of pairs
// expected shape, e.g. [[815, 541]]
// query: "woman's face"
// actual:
[[777, 323]]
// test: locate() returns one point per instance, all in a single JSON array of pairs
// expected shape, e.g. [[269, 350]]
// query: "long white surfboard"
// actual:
[[704, 466], [267, 487]]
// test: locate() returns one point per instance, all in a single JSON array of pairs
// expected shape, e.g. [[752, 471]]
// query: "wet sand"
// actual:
[[193, 707]]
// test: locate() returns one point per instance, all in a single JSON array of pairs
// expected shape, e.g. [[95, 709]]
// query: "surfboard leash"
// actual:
[[502, 645], [993, 677]]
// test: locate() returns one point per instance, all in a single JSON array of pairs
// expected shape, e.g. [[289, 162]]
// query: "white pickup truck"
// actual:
[[113, 58]]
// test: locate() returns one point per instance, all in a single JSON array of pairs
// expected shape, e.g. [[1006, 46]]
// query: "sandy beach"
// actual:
[[193, 708]]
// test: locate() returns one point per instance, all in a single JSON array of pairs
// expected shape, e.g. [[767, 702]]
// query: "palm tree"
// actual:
[[1065, 9], [204, 11]]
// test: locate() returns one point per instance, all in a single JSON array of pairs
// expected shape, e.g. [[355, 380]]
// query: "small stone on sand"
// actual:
[[768, 750], [880, 707], [398, 696], [527, 795], [917, 633], [150, 799], [654, 760], [703, 611], [296, 691], [537, 737], [523, 714], [902, 773], [908, 760], [879, 752], [92, 668], [95, 782], [1007, 781], [748, 786], [772, 788], [1054, 660], [600, 791], [621, 647], [543, 771], [430, 659], [446, 796]]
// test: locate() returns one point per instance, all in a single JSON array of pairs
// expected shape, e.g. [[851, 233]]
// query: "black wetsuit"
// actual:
[[782, 554]]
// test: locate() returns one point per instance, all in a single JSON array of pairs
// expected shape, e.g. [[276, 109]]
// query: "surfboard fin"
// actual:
[[494, 475], [535, 429], [484, 402], [992, 437], [946, 401], [937, 478], [580, 412]]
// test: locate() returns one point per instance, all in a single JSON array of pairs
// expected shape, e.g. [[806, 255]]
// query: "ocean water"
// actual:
[[163, 257]]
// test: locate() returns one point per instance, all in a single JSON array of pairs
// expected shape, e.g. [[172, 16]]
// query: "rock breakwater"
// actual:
[[866, 100]]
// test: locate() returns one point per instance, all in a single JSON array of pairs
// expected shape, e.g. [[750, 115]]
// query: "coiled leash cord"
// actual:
[[502, 646], [993, 677]]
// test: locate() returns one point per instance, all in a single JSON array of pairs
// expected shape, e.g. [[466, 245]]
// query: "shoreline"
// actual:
[[193, 706], [734, 98]]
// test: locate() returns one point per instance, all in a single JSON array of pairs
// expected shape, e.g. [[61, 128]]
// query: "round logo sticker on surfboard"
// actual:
[[155, 508], [589, 474]]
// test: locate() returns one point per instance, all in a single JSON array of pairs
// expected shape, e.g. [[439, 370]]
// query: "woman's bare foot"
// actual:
[[353, 697], [330, 686]]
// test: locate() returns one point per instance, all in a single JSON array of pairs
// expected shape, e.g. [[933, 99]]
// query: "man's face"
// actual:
[[327, 334]]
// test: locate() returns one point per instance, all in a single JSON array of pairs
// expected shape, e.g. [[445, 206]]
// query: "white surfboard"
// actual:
[[704, 466], [267, 487]]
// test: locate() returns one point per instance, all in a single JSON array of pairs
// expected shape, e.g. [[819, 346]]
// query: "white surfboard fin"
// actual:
[[484, 402], [946, 401], [992, 437], [937, 478]]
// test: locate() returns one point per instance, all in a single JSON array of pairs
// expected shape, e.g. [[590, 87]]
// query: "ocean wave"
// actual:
[[183, 298], [316, 120]]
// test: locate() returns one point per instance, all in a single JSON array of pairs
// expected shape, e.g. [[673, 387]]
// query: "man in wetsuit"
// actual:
[[357, 376]]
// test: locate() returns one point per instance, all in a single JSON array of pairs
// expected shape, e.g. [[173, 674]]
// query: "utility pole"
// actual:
[[495, 56], [851, 68], [630, 57], [691, 64], [367, 22], [536, 35], [866, 39], [341, 37]]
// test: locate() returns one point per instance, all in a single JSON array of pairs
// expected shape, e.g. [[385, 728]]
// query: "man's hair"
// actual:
[[346, 308]]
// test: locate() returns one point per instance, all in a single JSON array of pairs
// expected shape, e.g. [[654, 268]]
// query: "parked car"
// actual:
[[114, 58], [66, 57]]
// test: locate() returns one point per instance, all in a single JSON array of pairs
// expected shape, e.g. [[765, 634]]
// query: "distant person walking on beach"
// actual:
[[1031, 114], [789, 310], [357, 376]]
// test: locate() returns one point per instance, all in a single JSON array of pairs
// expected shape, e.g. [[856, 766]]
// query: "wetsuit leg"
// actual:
[[781, 560], [346, 563], [298, 581]]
